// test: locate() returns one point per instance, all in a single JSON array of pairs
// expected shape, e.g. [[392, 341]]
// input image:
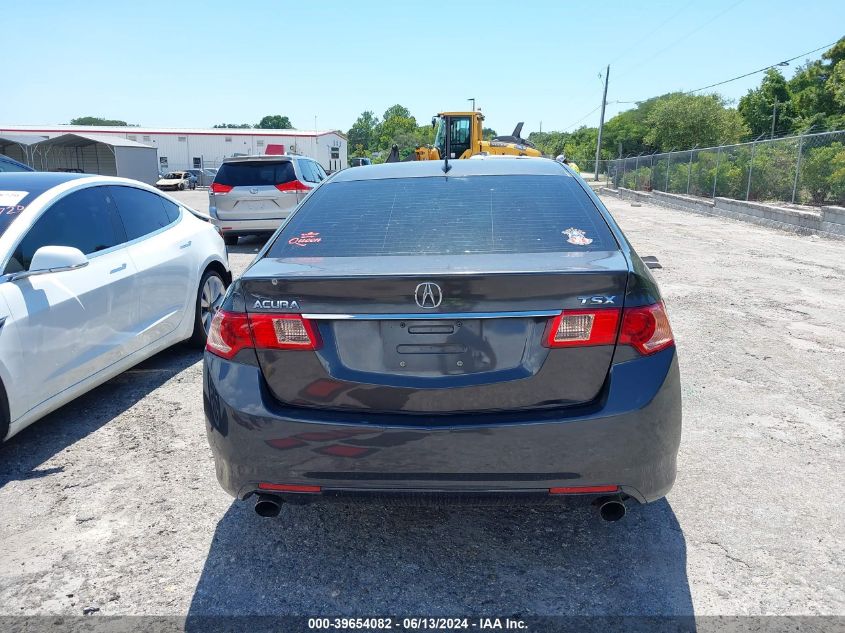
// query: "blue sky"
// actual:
[[195, 64]]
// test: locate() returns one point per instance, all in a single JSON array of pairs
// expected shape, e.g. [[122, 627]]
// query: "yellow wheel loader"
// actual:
[[459, 135]]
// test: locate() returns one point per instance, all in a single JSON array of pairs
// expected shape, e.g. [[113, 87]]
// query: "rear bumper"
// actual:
[[249, 226], [629, 439]]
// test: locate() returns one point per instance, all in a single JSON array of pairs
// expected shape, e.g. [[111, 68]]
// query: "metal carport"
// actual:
[[21, 147], [98, 154]]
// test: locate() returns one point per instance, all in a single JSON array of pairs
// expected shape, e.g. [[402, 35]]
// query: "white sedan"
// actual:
[[180, 180], [96, 275]]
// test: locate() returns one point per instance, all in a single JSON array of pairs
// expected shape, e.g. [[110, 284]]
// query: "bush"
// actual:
[[823, 174], [773, 171]]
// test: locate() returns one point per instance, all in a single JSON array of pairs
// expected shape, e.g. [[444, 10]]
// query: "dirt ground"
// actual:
[[111, 502]]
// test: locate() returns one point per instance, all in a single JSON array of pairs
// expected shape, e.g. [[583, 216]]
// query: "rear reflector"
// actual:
[[293, 185], [574, 328], [230, 332], [646, 329], [288, 487], [216, 187], [582, 490]]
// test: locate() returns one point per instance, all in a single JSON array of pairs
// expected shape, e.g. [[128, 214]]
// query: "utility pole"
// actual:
[[774, 116], [601, 123]]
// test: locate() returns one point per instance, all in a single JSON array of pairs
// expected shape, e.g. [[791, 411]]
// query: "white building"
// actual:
[[185, 148]]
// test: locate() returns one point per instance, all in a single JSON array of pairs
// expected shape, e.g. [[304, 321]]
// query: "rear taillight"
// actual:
[[646, 329], [231, 332], [216, 187], [283, 331], [578, 328], [293, 185]]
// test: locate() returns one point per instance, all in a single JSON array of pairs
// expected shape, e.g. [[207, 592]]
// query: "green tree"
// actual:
[[399, 128], [684, 121], [487, 133], [397, 111], [630, 128], [95, 120], [425, 135], [233, 126], [549, 143], [814, 89], [757, 107], [581, 144], [274, 122], [361, 135], [837, 84]]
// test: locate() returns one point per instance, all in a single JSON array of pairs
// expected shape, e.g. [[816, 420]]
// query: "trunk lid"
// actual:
[[433, 334]]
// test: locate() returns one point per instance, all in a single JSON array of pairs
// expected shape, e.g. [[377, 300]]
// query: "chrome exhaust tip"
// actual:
[[611, 508], [268, 506]]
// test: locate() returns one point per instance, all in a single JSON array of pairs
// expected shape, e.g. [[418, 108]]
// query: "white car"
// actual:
[[180, 180], [96, 275]]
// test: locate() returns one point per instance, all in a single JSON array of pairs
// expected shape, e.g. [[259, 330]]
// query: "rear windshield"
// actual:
[[12, 203], [256, 173], [445, 216]]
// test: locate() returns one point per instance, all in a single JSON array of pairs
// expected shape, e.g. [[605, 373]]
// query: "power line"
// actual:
[[582, 118], [666, 21], [754, 72], [785, 62], [684, 36], [720, 83], [653, 31]]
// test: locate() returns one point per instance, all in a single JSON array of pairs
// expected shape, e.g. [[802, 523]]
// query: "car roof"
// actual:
[[261, 157], [11, 161], [516, 166], [35, 182]]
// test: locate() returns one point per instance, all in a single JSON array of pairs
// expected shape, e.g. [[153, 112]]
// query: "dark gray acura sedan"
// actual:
[[476, 331]]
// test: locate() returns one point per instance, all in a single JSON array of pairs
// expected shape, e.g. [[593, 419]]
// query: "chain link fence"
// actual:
[[807, 169]]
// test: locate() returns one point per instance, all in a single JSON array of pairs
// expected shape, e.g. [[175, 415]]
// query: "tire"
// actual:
[[4, 414], [230, 239], [212, 288], [181, 186]]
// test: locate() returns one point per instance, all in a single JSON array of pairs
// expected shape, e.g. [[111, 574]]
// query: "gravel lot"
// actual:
[[111, 502]]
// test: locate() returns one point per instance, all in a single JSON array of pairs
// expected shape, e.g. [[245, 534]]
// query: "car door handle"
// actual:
[[186, 244], [118, 269]]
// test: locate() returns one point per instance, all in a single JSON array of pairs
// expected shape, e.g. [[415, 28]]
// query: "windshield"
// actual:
[[440, 136], [174, 175]]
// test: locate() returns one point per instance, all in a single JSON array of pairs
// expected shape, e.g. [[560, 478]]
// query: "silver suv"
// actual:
[[255, 194]]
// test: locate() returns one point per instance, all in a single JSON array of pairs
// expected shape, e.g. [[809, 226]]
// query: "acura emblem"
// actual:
[[428, 295], [254, 190]]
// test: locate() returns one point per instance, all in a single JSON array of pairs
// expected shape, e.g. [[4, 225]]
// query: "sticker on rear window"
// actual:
[[11, 198], [306, 238], [577, 237]]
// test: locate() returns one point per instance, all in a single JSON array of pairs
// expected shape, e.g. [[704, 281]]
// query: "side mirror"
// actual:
[[54, 259], [651, 261]]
